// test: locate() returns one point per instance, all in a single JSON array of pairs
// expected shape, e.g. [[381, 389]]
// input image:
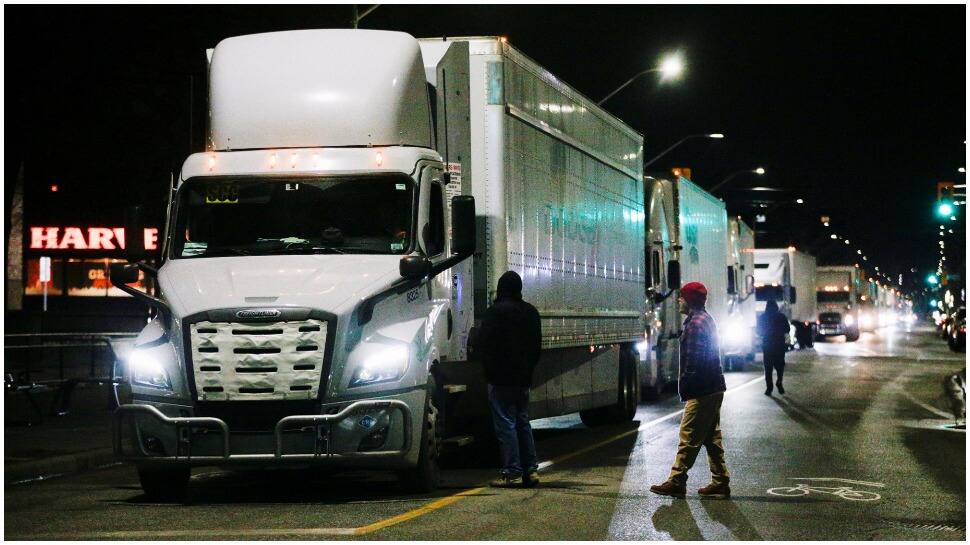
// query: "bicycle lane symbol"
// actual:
[[842, 490]]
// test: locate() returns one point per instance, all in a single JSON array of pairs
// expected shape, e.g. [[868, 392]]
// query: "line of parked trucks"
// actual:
[[326, 259]]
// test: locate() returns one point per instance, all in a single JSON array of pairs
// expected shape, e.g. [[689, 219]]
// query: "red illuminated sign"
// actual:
[[90, 238]]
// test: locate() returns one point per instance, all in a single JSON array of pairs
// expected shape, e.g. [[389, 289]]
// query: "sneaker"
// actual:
[[530, 479], [670, 488], [715, 491], [505, 481], [781, 389]]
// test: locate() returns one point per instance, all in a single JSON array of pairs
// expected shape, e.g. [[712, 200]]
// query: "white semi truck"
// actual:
[[316, 295], [839, 292], [687, 241], [787, 276], [738, 335]]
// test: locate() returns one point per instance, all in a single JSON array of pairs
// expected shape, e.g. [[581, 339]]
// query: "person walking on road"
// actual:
[[773, 329], [702, 389], [510, 340]]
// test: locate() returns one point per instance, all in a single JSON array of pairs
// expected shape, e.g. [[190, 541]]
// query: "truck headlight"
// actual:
[[735, 333], [147, 370], [865, 320], [384, 365], [849, 319]]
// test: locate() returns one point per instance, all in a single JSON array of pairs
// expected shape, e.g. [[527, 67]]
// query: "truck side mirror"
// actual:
[[134, 234], [123, 273], [749, 284], [415, 267], [463, 233], [673, 274]]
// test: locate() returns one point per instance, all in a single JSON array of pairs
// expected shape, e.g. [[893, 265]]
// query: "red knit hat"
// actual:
[[694, 293]]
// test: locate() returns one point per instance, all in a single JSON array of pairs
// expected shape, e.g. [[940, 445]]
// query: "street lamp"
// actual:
[[759, 171], [671, 67], [716, 136]]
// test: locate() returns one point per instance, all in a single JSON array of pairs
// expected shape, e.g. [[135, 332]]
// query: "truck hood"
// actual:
[[327, 282]]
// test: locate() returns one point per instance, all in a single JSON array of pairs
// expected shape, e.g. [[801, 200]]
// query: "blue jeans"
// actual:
[[510, 414]]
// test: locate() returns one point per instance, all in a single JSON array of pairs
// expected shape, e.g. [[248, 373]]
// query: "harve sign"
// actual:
[[259, 313]]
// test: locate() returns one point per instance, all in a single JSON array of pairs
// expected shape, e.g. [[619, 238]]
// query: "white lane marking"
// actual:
[[929, 408], [548, 463]]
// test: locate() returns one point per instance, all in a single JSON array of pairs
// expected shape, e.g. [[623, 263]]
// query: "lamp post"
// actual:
[[716, 136], [759, 171], [670, 67]]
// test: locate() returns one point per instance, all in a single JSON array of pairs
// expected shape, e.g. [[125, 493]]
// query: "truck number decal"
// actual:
[[222, 193]]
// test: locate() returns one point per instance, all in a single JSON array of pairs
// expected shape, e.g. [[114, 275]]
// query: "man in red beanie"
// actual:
[[702, 387]]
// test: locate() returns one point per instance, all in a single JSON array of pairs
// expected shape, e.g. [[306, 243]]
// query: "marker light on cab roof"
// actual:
[[379, 158], [272, 160]]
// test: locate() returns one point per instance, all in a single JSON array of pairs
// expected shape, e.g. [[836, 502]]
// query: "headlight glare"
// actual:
[[384, 365], [849, 319], [146, 370]]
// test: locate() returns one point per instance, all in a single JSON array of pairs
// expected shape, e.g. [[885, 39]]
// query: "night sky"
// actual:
[[858, 110]]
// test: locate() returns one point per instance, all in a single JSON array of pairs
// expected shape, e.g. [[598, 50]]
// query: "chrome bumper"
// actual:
[[322, 426]]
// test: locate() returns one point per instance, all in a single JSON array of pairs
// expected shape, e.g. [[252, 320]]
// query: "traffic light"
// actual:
[[944, 200], [932, 280]]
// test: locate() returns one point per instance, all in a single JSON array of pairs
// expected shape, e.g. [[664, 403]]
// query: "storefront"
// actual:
[[78, 288]]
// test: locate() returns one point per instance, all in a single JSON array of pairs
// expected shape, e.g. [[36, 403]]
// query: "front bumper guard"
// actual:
[[316, 421]]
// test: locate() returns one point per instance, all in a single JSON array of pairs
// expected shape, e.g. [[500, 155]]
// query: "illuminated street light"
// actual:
[[670, 68], [715, 135], [760, 171]]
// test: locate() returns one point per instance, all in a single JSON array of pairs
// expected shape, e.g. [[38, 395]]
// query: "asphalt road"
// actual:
[[857, 449]]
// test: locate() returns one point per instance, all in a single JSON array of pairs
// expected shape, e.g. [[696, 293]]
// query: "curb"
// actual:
[[45, 468]]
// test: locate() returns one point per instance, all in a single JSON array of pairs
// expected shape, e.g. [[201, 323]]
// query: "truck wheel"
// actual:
[[852, 336], [425, 476], [626, 393], [593, 417], [169, 484]]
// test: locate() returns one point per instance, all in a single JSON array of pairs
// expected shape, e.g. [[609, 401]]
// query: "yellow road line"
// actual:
[[419, 512]]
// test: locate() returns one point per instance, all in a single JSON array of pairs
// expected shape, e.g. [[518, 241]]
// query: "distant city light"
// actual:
[[800, 201], [54, 188], [759, 171]]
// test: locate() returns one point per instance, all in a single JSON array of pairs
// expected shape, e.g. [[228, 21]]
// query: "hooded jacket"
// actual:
[[773, 328], [511, 336]]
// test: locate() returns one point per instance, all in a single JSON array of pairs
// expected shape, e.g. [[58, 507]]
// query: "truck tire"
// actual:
[[627, 396], [852, 336], [167, 485], [426, 475]]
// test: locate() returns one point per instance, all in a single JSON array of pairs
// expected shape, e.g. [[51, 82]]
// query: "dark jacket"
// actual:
[[700, 357], [510, 338], [773, 328]]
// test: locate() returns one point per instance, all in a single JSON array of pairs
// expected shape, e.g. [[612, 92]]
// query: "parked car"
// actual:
[[957, 330]]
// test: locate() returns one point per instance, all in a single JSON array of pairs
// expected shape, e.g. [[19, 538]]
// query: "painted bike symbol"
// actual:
[[844, 492]]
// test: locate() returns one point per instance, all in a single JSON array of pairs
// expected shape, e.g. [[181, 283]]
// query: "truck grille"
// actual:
[[234, 361], [830, 318]]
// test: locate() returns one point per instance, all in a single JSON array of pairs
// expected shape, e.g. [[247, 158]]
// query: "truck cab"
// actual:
[[301, 306]]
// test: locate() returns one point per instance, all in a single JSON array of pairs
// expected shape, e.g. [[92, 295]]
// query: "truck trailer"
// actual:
[[787, 276], [687, 242], [326, 259], [738, 334]]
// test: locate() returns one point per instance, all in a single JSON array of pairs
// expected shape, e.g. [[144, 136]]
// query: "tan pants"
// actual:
[[701, 426]]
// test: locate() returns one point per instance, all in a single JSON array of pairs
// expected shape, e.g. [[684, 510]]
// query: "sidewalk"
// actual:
[[56, 445]]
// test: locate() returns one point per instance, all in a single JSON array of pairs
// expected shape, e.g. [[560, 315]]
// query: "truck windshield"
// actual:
[[369, 214], [832, 296], [769, 293]]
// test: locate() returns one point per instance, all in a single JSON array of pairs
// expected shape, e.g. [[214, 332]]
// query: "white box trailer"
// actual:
[[687, 226], [787, 276], [738, 333], [315, 306]]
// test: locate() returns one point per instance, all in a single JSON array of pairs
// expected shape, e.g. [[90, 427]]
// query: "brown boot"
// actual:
[[715, 490], [670, 488]]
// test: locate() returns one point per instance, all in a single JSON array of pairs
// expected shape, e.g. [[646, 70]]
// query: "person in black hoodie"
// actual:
[[773, 328], [509, 343]]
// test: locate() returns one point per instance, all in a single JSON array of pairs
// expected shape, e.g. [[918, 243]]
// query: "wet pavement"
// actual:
[[858, 448]]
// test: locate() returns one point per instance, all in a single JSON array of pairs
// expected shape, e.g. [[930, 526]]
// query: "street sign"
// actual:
[[45, 269]]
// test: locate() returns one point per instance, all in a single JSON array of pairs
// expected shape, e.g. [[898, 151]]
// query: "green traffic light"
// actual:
[[931, 279], [944, 209]]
